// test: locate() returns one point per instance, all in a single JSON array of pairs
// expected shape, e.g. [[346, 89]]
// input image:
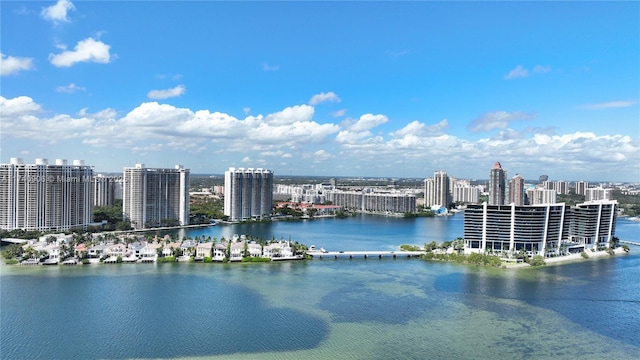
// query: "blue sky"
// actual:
[[393, 89]]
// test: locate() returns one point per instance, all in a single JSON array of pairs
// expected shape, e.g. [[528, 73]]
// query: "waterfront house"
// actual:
[[278, 249], [80, 249], [149, 253], [188, 247], [115, 250], [96, 251], [203, 250], [237, 250], [219, 251], [255, 249], [168, 248], [136, 247], [53, 252]]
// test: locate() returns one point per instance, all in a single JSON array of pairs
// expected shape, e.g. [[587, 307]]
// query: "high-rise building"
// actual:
[[497, 185], [562, 187], [516, 191], [45, 196], [248, 193], [155, 197], [539, 196], [437, 190], [467, 194], [581, 187], [442, 194], [429, 192], [546, 230], [597, 193], [543, 178], [104, 190]]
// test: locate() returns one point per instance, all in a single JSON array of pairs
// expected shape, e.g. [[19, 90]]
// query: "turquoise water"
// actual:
[[342, 309]]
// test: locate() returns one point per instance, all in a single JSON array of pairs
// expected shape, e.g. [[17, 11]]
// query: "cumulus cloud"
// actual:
[[153, 128], [69, 89], [11, 65], [322, 155], [421, 129], [360, 128], [324, 97], [608, 105], [167, 93], [498, 120], [521, 72], [87, 50], [58, 12]]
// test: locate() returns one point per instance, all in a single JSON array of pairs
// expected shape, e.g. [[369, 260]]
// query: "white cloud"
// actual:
[[323, 97], [608, 105], [421, 129], [498, 120], [521, 72], [540, 69], [87, 50], [339, 113], [322, 155], [517, 72], [168, 93], [69, 89], [290, 115], [11, 65], [246, 110], [267, 67], [161, 130], [58, 12], [360, 128]]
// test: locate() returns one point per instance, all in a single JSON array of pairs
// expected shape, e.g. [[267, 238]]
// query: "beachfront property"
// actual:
[[547, 230], [45, 197], [155, 197]]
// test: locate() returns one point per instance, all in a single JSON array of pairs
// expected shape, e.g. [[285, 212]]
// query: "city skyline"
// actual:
[[326, 89]]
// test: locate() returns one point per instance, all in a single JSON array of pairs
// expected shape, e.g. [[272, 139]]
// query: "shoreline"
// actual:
[[568, 259]]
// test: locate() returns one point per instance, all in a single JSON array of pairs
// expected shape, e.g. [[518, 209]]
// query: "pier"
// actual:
[[364, 254]]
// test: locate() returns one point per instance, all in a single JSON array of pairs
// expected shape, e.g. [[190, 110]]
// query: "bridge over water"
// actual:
[[629, 242], [364, 254]]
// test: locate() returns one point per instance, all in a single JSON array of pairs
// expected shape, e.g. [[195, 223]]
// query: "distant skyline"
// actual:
[[371, 89]]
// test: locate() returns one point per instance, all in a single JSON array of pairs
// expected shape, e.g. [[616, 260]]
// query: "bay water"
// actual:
[[342, 309]]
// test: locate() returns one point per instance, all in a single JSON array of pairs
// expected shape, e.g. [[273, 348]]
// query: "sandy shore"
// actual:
[[572, 258]]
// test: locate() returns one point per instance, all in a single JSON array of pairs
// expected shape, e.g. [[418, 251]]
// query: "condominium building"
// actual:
[[45, 196], [581, 187], [467, 194], [395, 202], [546, 230], [562, 187], [436, 190], [498, 194], [597, 193], [540, 196], [248, 193], [153, 197], [104, 190], [516, 191]]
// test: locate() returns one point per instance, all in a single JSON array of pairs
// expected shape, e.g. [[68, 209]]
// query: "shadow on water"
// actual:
[[108, 317], [600, 295]]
